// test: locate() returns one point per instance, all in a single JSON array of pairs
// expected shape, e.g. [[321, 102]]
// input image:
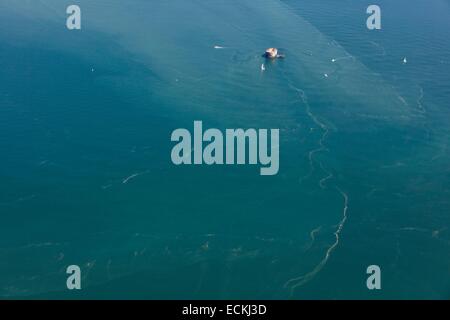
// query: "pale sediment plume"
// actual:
[[325, 130], [130, 177]]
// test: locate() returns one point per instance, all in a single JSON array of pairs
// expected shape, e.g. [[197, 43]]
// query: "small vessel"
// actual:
[[263, 67], [271, 53], [405, 61]]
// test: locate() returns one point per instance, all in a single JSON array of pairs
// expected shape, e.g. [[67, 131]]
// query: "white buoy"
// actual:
[[404, 60], [326, 75]]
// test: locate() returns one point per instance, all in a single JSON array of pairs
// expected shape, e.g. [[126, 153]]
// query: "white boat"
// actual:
[[271, 53]]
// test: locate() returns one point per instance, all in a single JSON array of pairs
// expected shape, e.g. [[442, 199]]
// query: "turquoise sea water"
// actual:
[[85, 124]]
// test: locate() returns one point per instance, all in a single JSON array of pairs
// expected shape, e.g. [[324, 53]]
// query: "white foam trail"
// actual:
[[313, 236], [403, 100], [130, 177], [414, 229], [342, 58], [325, 131], [134, 175], [300, 281], [293, 283]]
